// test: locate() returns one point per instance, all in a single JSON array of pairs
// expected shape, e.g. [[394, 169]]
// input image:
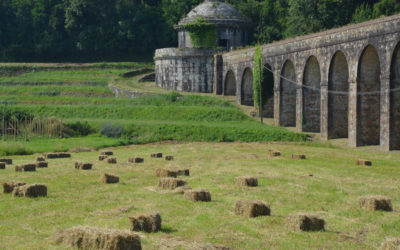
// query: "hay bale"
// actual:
[[83, 166], [102, 157], [247, 181], [274, 153], [2, 165], [64, 155], [162, 172], [112, 160], [136, 160], [107, 153], [305, 222], [109, 178], [156, 155], [42, 164], [170, 183], [391, 243], [181, 190], [298, 157], [25, 168], [6, 161], [149, 223], [98, 238], [363, 163], [252, 208], [169, 158], [34, 190], [40, 159], [184, 172], [57, 155], [375, 202], [8, 187], [198, 194]]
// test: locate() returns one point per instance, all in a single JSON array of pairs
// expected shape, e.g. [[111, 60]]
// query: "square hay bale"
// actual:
[[2, 165], [169, 158], [136, 160], [198, 194], [6, 161], [305, 222], [363, 163], [252, 208], [156, 155], [298, 157], [102, 157], [51, 155], [247, 181], [391, 243], [375, 202], [33, 191], [64, 155], [42, 164], [8, 187], [109, 178], [181, 190], [162, 172], [83, 166], [107, 153], [40, 159], [184, 172], [112, 160], [98, 238], [149, 223], [274, 153], [25, 168], [170, 183]]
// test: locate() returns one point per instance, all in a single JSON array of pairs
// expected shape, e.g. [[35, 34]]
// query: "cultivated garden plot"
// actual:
[[326, 192]]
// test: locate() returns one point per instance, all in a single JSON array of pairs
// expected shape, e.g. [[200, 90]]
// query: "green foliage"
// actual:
[[363, 13], [111, 130], [202, 33], [78, 129], [258, 73]]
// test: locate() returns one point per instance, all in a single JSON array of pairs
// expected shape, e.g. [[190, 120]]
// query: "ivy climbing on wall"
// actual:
[[257, 67], [202, 33]]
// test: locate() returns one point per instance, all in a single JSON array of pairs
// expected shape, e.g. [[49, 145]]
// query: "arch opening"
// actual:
[[338, 105], [368, 106], [311, 119], [287, 106], [268, 92], [230, 84], [247, 88], [395, 100]]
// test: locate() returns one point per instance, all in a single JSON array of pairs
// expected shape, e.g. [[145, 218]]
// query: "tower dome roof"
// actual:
[[216, 12]]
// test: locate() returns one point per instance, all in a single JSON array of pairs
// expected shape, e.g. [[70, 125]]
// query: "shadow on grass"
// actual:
[[168, 230]]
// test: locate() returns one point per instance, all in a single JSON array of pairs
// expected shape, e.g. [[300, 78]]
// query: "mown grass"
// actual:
[[78, 198]]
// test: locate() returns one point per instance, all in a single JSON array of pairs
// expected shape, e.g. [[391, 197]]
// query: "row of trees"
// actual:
[[56, 30]]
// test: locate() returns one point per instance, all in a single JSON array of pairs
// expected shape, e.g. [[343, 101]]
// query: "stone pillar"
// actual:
[[277, 96], [299, 102], [385, 112], [353, 113], [218, 77], [324, 110]]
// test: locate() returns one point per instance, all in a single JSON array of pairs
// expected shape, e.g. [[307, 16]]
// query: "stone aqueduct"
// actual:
[[353, 60]]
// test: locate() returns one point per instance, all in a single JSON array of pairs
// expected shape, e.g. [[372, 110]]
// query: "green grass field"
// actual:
[[78, 198]]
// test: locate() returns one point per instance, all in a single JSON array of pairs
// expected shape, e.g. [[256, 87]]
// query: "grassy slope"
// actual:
[[78, 198]]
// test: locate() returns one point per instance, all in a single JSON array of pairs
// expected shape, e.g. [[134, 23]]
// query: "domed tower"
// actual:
[[232, 28]]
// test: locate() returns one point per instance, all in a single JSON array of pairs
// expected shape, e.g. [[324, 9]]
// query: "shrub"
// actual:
[[78, 129], [111, 130]]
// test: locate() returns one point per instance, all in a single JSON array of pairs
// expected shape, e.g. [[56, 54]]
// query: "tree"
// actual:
[[258, 68]]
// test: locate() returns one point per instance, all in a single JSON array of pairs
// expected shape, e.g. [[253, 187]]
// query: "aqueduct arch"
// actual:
[[395, 100], [268, 90], [338, 104], [368, 105], [230, 84], [287, 106], [247, 87], [312, 96]]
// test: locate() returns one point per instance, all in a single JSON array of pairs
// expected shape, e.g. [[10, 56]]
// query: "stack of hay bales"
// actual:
[[105, 154], [136, 160], [363, 163], [162, 172], [375, 202], [305, 222], [6, 161], [248, 181], [156, 155], [33, 191], [83, 166], [8, 187], [41, 162], [149, 223], [198, 194], [57, 155], [97, 238], [112, 160], [170, 183], [298, 157], [2, 165], [252, 208], [109, 178], [25, 168], [274, 153], [169, 158]]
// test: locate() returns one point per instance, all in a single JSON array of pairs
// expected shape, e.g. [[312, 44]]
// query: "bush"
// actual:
[[111, 130], [78, 129]]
